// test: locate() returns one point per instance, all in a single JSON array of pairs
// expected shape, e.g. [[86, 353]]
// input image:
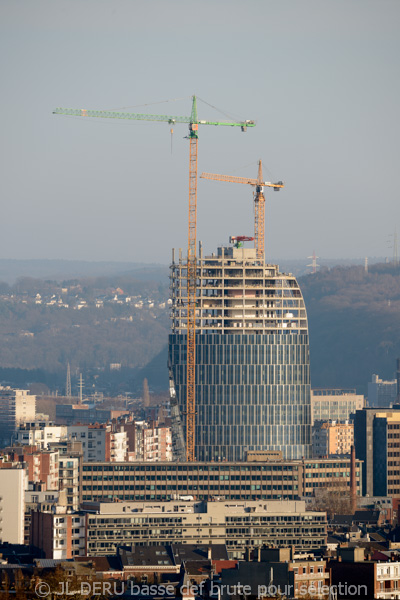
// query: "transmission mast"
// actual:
[[313, 264], [68, 392], [193, 123], [395, 249]]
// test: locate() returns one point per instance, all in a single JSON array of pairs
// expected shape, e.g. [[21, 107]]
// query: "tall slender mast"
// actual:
[[191, 289], [259, 215], [68, 382]]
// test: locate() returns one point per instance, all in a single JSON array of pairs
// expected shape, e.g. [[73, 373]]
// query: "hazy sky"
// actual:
[[320, 77]]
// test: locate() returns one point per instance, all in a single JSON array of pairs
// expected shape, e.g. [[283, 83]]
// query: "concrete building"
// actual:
[[377, 443], [58, 534], [16, 407], [149, 441], [239, 525], [381, 394], [335, 404], [252, 356], [332, 437], [12, 503], [273, 480]]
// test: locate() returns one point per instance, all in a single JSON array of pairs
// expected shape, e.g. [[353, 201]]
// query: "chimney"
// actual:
[[353, 484]]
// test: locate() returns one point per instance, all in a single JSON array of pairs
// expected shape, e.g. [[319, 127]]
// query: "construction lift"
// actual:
[[259, 202], [193, 123]]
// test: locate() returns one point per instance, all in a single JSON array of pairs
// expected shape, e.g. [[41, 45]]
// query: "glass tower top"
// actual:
[[252, 356]]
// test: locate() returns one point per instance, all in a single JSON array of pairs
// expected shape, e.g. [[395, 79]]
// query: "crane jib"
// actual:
[[83, 112]]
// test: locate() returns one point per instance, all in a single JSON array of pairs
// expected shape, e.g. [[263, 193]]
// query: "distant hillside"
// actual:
[[13, 269], [354, 322], [123, 318]]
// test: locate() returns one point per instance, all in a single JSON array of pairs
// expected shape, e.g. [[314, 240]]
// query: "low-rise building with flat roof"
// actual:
[[238, 525]]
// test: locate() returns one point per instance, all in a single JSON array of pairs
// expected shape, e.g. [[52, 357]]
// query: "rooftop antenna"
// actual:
[[313, 264]]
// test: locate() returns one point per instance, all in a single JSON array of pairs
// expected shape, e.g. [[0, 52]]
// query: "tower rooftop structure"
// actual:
[[252, 355]]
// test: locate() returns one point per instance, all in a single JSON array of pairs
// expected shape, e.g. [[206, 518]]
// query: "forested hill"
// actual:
[[354, 322]]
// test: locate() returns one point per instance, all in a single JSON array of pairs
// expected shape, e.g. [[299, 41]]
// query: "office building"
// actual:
[[239, 525], [381, 394], [252, 356], [335, 404], [273, 480], [70, 414], [377, 444]]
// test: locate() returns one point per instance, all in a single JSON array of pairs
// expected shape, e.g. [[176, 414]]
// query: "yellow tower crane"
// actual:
[[194, 123], [259, 202]]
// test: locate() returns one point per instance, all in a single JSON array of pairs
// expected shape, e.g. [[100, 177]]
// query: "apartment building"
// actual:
[[37, 498], [39, 434], [70, 471], [58, 534], [149, 441], [16, 407], [332, 437], [41, 465], [239, 525], [12, 502], [354, 572], [291, 575]]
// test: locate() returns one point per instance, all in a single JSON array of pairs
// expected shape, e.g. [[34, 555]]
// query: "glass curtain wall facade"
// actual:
[[252, 357]]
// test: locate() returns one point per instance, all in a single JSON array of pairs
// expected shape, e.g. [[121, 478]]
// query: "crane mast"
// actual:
[[194, 123], [259, 202], [191, 291]]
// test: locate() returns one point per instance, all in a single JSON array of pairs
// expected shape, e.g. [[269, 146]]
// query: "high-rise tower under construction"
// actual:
[[252, 356]]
